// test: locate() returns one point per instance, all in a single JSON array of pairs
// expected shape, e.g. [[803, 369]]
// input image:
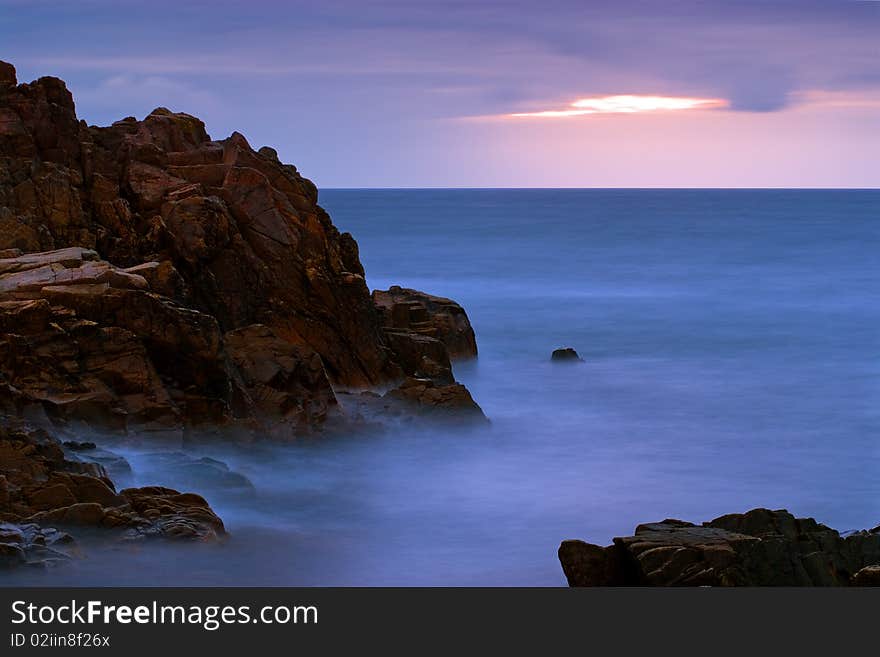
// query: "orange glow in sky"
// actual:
[[627, 104]]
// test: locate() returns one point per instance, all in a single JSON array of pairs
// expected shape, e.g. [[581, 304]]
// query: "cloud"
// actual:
[[627, 104]]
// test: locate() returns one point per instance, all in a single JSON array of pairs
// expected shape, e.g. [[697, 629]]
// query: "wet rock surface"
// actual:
[[758, 548]]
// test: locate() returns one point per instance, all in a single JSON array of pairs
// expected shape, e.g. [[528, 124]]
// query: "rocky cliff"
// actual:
[[153, 278], [243, 232], [158, 283]]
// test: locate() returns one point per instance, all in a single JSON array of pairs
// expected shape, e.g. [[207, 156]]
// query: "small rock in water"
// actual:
[[566, 354]]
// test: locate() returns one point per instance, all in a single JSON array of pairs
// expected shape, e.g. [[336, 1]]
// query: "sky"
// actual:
[[486, 93]]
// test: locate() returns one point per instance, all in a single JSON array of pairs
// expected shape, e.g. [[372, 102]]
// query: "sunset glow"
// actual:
[[628, 104]]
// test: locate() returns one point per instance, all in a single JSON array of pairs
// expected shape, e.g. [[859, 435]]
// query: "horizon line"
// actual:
[[621, 188]]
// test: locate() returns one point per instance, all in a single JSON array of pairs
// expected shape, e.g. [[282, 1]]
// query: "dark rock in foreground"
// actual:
[[565, 355], [758, 548]]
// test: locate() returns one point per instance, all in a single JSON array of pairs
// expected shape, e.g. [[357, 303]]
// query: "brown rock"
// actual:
[[163, 279], [7, 75], [174, 515], [280, 381], [420, 355], [403, 309], [243, 231], [52, 497], [128, 251], [424, 397]]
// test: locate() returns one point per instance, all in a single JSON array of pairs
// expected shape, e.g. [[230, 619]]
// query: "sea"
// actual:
[[731, 360]]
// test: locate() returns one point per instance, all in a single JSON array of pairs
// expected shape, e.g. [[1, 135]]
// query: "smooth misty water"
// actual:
[[731, 343]]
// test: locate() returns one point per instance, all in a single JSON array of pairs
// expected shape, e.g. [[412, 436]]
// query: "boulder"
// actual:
[[405, 310], [424, 397], [565, 355], [758, 548]]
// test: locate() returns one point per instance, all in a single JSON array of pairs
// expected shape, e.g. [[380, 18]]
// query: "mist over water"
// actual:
[[731, 349]]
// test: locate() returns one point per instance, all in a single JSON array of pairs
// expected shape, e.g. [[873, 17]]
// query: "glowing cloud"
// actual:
[[628, 104]]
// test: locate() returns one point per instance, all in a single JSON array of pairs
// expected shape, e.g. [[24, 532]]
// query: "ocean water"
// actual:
[[731, 345]]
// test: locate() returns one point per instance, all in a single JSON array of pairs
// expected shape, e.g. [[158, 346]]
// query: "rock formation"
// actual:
[[406, 311], [243, 231], [153, 278], [154, 281], [89, 341], [758, 548], [425, 334]]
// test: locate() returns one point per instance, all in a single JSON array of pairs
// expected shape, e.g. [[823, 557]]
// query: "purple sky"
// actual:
[[418, 94]]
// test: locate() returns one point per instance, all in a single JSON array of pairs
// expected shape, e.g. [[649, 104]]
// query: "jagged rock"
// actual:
[[424, 397], [7, 75], [565, 355], [134, 256], [421, 356], [173, 515], [104, 349], [243, 231], [410, 311], [163, 279], [758, 548], [283, 381]]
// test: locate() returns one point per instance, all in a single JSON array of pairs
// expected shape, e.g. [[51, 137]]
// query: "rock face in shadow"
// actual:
[[758, 548], [154, 278]]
